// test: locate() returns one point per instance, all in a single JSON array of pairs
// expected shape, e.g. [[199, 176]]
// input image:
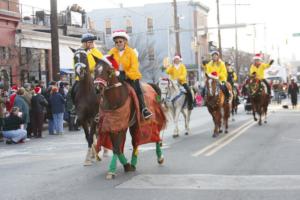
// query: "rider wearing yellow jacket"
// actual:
[[127, 60], [87, 41], [177, 71], [231, 75], [258, 68], [217, 65]]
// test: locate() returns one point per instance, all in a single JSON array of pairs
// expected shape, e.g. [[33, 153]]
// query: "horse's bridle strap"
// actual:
[[113, 86]]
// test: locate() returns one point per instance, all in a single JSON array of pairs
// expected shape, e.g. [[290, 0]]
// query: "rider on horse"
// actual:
[[258, 68], [88, 45], [177, 71], [128, 66], [232, 77], [217, 65]]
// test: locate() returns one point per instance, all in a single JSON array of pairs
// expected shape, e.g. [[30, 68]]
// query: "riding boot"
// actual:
[[268, 87], [145, 112], [189, 96], [226, 92]]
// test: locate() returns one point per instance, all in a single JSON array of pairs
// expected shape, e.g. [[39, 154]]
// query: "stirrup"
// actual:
[[146, 113]]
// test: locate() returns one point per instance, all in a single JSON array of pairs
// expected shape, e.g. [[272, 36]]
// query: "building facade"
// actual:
[[151, 29]]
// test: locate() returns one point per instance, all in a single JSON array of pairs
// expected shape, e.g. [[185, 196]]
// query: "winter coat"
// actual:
[[38, 102], [218, 67], [260, 70], [57, 102], [129, 62], [177, 74], [24, 108]]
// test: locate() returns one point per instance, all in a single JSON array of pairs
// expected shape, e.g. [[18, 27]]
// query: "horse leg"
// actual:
[[160, 157], [186, 114], [253, 112], [117, 140], [88, 158], [176, 118], [93, 139]]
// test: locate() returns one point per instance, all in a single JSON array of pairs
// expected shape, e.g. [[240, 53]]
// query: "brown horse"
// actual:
[[234, 104], [86, 102], [119, 110], [259, 99], [216, 104]]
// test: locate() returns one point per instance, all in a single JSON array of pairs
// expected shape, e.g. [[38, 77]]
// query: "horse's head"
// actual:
[[212, 87], [105, 74], [81, 63], [168, 87]]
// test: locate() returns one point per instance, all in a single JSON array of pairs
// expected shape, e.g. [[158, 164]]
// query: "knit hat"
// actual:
[[37, 90]]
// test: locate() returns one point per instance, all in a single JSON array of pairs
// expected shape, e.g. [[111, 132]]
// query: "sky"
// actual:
[[275, 21]]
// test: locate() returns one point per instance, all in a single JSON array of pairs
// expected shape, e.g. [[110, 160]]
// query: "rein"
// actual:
[[106, 84]]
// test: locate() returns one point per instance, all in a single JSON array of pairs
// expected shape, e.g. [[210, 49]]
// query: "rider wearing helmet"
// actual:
[[258, 68], [232, 78], [217, 65], [177, 71], [128, 66]]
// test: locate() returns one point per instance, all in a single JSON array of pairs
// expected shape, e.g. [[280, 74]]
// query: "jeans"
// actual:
[[58, 120], [50, 126], [15, 135]]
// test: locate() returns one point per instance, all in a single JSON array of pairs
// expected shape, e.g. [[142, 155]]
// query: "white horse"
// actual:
[[175, 101]]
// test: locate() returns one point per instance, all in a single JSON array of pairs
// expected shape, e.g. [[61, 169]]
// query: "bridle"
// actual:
[[79, 64]]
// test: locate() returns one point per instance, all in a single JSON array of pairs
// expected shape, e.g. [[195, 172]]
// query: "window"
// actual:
[[4, 53], [149, 25], [128, 26], [151, 53], [108, 26]]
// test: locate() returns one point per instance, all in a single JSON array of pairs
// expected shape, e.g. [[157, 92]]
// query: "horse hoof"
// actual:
[[110, 176], [175, 136], [259, 123], [87, 163], [132, 168], [161, 160], [215, 135], [226, 132], [255, 119], [186, 133], [98, 158], [265, 122], [220, 131], [127, 167]]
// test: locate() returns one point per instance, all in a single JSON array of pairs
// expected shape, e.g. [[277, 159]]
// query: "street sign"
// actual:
[[296, 34]]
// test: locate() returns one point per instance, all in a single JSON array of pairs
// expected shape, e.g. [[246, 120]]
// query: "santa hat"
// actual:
[[14, 88], [213, 75], [109, 59], [257, 56], [37, 90], [177, 56], [120, 33]]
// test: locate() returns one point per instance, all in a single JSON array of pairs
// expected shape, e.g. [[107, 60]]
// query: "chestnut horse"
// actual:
[[259, 99], [86, 102], [119, 110], [216, 104]]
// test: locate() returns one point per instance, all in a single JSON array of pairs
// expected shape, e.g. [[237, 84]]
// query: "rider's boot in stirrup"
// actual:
[[145, 112]]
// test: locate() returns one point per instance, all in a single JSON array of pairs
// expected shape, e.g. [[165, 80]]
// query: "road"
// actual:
[[250, 162]]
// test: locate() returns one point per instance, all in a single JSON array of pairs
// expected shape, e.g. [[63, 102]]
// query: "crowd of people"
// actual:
[[24, 111]]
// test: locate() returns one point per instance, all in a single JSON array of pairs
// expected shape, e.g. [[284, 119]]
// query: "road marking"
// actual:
[[222, 140], [213, 182]]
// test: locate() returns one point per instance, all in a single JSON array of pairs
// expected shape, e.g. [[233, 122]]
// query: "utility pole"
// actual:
[[219, 31], [54, 41], [176, 28]]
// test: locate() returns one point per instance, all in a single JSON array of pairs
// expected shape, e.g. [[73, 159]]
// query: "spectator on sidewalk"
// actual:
[[49, 114], [3, 100], [23, 106], [29, 92], [38, 103], [293, 91], [12, 127], [57, 102]]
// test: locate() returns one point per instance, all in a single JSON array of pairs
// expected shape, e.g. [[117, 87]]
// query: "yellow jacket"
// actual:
[[177, 74], [260, 70], [129, 62], [234, 74], [218, 67], [92, 63]]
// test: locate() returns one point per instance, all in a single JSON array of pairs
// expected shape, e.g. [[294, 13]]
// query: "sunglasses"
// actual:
[[118, 41]]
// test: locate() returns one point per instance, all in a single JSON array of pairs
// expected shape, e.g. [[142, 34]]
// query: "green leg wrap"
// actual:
[[113, 163], [134, 157], [122, 159], [158, 150]]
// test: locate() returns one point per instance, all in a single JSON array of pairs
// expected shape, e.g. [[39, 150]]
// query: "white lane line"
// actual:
[[213, 182], [212, 151], [221, 140]]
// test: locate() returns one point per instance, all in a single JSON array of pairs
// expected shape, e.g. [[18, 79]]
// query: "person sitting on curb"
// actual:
[[12, 130]]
